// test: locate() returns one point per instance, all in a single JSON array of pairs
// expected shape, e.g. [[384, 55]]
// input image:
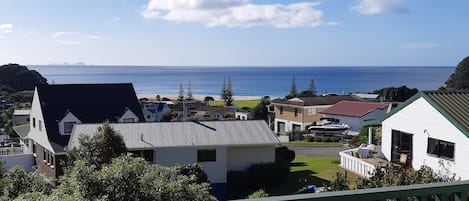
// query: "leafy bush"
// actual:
[[317, 139], [285, 154], [18, 181], [340, 183], [268, 174], [193, 170], [327, 139], [258, 194]]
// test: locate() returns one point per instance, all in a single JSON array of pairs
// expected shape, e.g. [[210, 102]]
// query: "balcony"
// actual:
[[421, 192], [5, 151]]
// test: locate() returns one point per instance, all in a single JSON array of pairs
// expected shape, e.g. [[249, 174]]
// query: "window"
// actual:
[[296, 112], [206, 155], [44, 157], [311, 111], [148, 155], [51, 160], [34, 122], [281, 109], [40, 125], [34, 147], [128, 120], [68, 127], [440, 148]]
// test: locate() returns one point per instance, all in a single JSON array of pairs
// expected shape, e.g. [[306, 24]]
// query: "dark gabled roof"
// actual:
[[453, 105], [91, 103], [319, 100], [354, 108]]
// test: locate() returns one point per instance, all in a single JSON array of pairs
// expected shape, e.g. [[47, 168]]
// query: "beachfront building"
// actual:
[[213, 113], [154, 110], [297, 113], [20, 117], [355, 113], [56, 109], [432, 129], [217, 146]]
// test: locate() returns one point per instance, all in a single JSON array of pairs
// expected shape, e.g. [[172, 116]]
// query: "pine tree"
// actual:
[[293, 91], [229, 93], [312, 87], [189, 92], [223, 90], [181, 92]]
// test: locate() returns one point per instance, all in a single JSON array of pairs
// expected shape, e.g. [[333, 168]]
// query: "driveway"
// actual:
[[317, 151]]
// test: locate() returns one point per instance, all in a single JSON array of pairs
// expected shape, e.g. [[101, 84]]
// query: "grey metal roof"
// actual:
[[183, 134], [22, 130]]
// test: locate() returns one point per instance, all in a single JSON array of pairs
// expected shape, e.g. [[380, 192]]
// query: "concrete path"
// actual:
[[317, 151]]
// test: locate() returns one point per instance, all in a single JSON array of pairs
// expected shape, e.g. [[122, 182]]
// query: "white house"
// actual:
[[218, 146], [20, 117], [354, 113], [56, 109], [432, 129], [154, 110]]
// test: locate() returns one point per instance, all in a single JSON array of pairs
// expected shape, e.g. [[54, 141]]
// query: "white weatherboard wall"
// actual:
[[216, 170], [423, 121], [240, 158], [70, 117], [34, 133]]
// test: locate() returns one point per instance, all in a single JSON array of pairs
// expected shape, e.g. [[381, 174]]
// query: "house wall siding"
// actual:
[[303, 118], [356, 123], [240, 158], [52, 173], [34, 133], [216, 170], [423, 121]]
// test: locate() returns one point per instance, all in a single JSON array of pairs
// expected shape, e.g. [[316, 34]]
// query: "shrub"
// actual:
[[193, 170], [285, 154], [258, 194], [318, 139], [309, 138], [268, 174], [327, 139]]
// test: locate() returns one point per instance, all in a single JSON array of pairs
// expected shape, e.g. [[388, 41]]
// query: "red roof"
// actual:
[[353, 108]]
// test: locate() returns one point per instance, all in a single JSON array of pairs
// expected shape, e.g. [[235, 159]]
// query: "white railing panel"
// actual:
[[356, 165]]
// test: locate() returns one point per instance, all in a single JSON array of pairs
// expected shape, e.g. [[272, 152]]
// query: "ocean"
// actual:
[[250, 81]]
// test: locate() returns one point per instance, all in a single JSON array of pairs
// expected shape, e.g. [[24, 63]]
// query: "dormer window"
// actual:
[[68, 127]]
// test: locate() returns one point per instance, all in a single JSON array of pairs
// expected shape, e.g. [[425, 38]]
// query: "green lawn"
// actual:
[[302, 142], [310, 170], [239, 104]]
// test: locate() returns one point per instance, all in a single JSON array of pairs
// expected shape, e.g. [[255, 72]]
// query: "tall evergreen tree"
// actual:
[[181, 92], [312, 87], [229, 93], [293, 91], [189, 92], [223, 90]]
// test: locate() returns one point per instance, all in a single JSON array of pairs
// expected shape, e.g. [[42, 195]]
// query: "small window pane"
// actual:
[[440, 148], [68, 127], [206, 155]]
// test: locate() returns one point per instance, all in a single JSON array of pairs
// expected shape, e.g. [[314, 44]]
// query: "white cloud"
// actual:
[[420, 45], [72, 38], [236, 13], [6, 28], [373, 7]]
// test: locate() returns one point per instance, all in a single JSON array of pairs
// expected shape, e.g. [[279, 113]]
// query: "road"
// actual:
[[317, 151]]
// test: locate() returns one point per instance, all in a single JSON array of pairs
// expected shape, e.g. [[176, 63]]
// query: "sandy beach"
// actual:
[[198, 97]]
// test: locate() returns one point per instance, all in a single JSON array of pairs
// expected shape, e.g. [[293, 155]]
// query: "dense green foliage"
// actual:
[[14, 77], [258, 194], [261, 110], [339, 183], [459, 80], [193, 170], [100, 148], [17, 182], [399, 94], [208, 99]]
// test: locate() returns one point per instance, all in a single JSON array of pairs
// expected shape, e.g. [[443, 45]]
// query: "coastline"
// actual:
[[199, 97]]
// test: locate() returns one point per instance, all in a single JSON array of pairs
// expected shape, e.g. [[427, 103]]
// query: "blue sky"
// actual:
[[235, 32]]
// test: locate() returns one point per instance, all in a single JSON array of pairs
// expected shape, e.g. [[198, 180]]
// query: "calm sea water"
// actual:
[[250, 81]]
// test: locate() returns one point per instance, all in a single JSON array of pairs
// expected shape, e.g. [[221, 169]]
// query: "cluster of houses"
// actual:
[[431, 128]]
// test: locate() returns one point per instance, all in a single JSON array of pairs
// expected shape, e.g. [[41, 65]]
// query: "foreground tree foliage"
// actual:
[[125, 178], [100, 148], [17, 182], [459, 80], [261, 110]]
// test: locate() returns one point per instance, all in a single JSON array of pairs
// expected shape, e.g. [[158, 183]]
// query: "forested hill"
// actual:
[[14, 77]]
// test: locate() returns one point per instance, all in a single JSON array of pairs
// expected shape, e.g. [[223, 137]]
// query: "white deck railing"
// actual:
[[354, 164], [5, 151]]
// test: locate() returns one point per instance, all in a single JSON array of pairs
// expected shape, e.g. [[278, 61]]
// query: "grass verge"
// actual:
[[240, 104]]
